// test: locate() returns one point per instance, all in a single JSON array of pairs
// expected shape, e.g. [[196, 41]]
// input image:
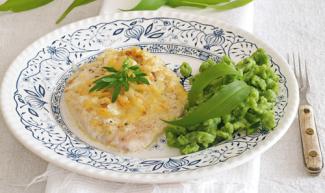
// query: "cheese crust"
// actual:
[[134, 121]]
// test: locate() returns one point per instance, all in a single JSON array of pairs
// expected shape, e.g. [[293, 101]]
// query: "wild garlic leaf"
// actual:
[[221, 103], [230, 5], [148, 5], [22, 5], [74, 4], [194, 3], [204, 78]]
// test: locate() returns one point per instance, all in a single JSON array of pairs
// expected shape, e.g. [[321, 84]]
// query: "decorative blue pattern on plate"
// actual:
[[40, 85]]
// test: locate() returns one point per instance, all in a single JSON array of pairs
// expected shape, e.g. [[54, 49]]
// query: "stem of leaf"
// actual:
[[65, 13]]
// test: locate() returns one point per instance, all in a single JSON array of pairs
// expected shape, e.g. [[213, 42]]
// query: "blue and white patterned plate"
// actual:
[[33, 85]]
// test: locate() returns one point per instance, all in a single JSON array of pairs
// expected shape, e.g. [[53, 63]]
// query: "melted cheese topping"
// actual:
[[134, 120]]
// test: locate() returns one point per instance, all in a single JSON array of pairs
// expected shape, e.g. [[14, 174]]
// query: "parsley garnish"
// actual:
[[120, 79]]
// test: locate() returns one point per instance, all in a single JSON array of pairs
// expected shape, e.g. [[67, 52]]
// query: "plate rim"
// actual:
[[68, 164]]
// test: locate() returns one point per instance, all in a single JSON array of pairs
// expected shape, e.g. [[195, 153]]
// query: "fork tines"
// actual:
[[301, 72]]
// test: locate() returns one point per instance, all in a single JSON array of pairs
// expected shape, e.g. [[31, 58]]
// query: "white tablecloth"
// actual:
[[289, 26], [285, 25]]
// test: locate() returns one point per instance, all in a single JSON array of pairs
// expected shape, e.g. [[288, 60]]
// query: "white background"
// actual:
[[287, 26]]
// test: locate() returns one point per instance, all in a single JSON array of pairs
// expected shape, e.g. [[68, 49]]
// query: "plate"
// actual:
[[33, 85]]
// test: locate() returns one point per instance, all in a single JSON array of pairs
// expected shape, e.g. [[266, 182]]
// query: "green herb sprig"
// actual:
[[120, 79]]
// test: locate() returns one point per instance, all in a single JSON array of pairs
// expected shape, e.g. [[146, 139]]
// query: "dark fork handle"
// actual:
[[309, 137]]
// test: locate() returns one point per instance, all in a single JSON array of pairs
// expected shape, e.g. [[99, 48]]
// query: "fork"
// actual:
[[308, 131]]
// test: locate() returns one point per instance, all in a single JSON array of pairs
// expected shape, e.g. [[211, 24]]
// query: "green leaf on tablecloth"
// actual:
[[220, 5], [230, 5], [194, 3], [74, 4], [22, 5], [148, 5]]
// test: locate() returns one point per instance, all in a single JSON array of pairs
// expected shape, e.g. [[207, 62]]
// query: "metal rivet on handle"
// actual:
[[306, 110], [312, 153], [309, 131]]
